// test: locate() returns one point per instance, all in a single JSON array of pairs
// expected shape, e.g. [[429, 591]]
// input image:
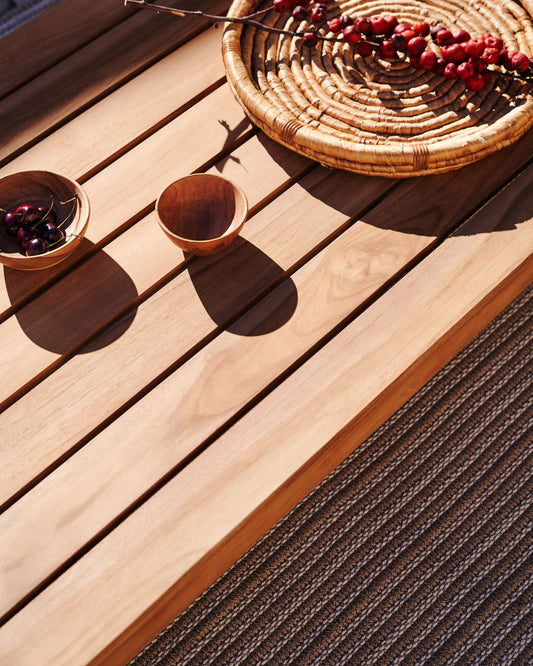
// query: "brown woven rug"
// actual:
[[417, 549]]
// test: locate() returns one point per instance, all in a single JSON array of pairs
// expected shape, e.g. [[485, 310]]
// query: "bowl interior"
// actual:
[[201, 207], [43, 188]]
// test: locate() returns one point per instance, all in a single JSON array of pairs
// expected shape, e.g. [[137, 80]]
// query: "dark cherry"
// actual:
[[11, 224], [27, 215], [36, 246], [52, 234], [24, 236], [47, 214]]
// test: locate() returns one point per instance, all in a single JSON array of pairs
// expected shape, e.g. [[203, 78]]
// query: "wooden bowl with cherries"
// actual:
[[44, 216]]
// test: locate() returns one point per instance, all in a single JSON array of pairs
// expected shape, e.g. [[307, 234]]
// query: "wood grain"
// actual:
[[58, 31], [194, 400], [99, 134], [71, 85], [142, 173], [177, 542], [92, 385]]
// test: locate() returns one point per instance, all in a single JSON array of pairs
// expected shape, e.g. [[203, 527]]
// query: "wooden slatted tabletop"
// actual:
[[159, 412]]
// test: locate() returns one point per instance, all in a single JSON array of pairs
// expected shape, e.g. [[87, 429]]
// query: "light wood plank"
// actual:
[[99, 134], [139, 176], [92, 385], [70, 311], [180, 539], [58, 31], [194, 401], [90, 73]]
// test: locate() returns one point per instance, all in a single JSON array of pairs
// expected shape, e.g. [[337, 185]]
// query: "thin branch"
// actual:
[[244, 20]]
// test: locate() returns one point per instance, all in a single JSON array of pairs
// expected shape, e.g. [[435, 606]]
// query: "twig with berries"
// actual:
[[452, 54]]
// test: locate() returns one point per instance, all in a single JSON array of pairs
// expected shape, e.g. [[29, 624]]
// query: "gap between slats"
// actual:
[[185, 31], [236, 416]]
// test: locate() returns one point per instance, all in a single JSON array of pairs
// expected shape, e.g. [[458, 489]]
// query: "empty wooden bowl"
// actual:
[[202, 213], [64, 196]]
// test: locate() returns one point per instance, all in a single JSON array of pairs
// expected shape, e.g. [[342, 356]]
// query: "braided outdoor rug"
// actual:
[[417, 549]]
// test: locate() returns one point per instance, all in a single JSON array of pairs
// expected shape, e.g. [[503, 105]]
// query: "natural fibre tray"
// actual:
[[373, 116]]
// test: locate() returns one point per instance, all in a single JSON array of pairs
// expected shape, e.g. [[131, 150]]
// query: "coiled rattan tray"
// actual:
[[369, 115]]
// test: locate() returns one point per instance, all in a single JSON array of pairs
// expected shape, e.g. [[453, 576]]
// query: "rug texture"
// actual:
[[417, 549]]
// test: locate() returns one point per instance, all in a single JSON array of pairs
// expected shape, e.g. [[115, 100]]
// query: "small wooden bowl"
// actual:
[[202, 213], [43, 188]]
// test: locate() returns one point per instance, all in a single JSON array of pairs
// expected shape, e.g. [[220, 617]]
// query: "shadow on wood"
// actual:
[[229, 282]]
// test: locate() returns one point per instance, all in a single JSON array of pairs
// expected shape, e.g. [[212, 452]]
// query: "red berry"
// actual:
[[494, 43], [310, 38], [478, 64], [454, 53], [346, 20], [474, 48], [444, 38], [506, 59], [398, 41], [440, 66], [414, 61], [450, 71], [428, 59], [460, 36], [408, 35], [351, 34], [281, 6], [465, 70], [299, 13], [402, 27], [379, 25], [387, 50], [392, 22], [416, 46], [475, 82], [421, 28], [490, 55], [364, 48], [434, 30], [520, 62], [364, 25], [318, 15]]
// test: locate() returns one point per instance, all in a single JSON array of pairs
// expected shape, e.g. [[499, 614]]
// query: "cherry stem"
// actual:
[[44, 216], [74, 198], [49, 210]]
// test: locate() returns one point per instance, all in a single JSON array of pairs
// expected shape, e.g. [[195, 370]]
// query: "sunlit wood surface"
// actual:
[[159, 412]]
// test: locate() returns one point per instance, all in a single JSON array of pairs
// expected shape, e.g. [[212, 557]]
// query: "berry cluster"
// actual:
[[455, 55], [35, 228]]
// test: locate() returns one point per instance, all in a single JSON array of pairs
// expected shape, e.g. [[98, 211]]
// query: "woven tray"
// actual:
[[369, 115]]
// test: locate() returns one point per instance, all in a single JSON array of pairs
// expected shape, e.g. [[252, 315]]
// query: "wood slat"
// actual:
[[98, 135], [55, 33], [125, 359], [139, 176], [31, 359], [157, 560], [72, 84], [247, 358]]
